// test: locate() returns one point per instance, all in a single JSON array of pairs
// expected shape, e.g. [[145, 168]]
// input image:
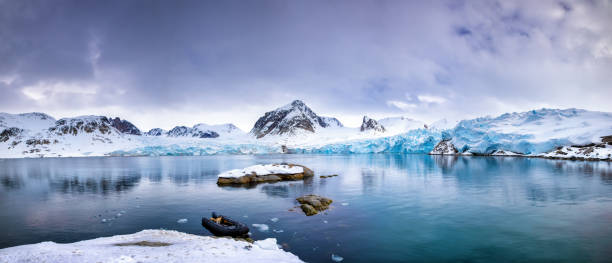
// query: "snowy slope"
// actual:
[[174, 247], [397, 125], [35, 122]]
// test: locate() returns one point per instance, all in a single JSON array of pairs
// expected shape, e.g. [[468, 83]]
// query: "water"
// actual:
[[387, 208]]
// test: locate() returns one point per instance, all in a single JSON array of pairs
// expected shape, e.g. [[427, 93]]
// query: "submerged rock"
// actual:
[[313, 204], [265, 173]]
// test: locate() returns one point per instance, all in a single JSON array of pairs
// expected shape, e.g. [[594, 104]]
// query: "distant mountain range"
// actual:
[[297, 128]]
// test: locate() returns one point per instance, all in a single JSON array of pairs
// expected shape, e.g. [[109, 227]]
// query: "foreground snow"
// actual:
[[179, 247], [263, 170]]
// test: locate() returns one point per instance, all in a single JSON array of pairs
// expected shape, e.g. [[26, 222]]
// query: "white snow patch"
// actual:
[[263, 170], [183, 248]]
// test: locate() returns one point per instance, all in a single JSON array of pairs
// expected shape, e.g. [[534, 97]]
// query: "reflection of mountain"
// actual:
[[103, 185], [11, 182]]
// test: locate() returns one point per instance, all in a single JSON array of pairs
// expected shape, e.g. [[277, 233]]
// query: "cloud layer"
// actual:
[[163, 63]]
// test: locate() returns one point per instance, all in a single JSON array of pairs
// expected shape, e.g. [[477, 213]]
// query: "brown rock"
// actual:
[[318, 203], [254, 178]]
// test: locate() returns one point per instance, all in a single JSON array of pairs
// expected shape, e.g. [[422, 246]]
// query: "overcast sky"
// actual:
[[167, 63]]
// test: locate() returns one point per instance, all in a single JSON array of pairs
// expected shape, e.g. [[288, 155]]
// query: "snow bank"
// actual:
[[179, 247], [263, 170], [592, 152]]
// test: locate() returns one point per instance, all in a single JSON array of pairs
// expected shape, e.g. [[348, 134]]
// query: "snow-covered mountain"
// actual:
[[396, 125], [569, 133], [291, 119], [369, 124], [201, 130]]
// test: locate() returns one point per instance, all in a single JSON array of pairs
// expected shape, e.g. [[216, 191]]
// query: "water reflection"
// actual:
[[455, 204]]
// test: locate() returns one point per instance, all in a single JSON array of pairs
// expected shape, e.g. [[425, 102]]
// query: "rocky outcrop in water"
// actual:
[[313, 204], [259, 175]]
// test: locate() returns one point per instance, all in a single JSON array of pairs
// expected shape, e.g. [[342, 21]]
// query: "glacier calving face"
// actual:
[[531, 132], [414, 141]]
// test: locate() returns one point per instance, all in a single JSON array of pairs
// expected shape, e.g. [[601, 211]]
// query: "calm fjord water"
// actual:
[[387, 208]]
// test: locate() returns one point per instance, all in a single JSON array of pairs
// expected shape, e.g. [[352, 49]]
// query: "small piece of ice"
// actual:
[[245, 216], [182, 221], [345, 204], [267, 244], [119, 214], [261, 227], [336, 258], [104, 220], [274, 219], [278, 231], [325, 221]]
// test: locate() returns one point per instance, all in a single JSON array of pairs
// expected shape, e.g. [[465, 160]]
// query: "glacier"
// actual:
[[532, 133]]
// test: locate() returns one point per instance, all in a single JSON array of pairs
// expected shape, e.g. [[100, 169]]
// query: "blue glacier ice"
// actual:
[[531, 132], [414, 141]]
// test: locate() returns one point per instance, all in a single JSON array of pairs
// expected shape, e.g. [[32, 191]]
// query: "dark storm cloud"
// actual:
[[343, 57]]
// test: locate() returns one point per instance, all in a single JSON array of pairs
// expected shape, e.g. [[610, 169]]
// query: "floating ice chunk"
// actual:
[[267, 244], [261, 227], [345, 204], [278, 231], [119, 214], [104, 220], [245, 216], [336, 258], [274, 219], [325, 221], [182, 221]]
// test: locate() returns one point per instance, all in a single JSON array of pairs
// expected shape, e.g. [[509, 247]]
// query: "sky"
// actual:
[[168, 63]]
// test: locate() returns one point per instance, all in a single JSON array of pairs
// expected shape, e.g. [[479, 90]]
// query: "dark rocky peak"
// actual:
[[183, 131], [155, 132], [290, 119], [83, 124], [369, 124], [124, 126]]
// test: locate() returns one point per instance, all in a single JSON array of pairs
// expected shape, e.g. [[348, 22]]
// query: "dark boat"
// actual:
[[220, 225]]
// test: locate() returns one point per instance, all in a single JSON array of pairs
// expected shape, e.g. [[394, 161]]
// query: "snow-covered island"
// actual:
[[264, 173], [151, 246], [295, 128]]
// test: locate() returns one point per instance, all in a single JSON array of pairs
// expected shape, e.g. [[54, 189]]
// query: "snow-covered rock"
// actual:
[[264, 169], [151, 246], [444, 147], [396, 125], [156, 132], [587, 152], [182, 131], [291, 119], [369, 124]]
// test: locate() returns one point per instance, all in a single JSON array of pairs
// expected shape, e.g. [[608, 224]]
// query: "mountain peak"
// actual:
[[370, 124], [291, 119]]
